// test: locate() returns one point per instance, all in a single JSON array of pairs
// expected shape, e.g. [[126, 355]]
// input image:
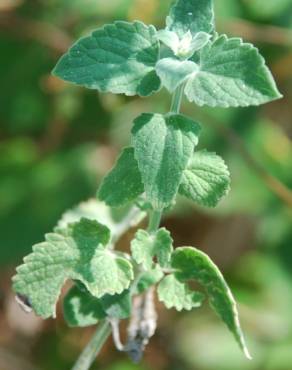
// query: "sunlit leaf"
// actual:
[[163, 146], [118, 58], [206, 180], [123, 184], [79, 253], [231, 74], [192, 264], [146, 246]]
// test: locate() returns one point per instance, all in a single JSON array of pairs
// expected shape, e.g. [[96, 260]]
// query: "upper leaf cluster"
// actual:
[[129, 58]]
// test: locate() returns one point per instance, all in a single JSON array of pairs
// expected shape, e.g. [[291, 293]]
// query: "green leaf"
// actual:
[[169, 38], [185, 47], [199, 41], [163, 147], [118, 58], [113, 218], [92, 209], [147, 279], [117, 306], [77, 253], [146, 246], [175, 294], [174, 72], [191, 15], [231, 74], [206, 180], [192, 264], [82, 309], [123, 184]]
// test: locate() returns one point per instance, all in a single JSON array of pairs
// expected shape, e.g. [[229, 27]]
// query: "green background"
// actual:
[[58, 140]]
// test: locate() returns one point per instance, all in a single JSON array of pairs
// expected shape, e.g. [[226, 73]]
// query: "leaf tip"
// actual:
[[247, 353]]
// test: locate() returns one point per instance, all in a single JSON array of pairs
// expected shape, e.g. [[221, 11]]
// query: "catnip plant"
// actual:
[[188, 58]]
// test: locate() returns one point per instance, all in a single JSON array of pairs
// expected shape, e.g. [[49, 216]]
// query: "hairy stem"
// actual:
[[176, 99], [93, 347], [154, 221]]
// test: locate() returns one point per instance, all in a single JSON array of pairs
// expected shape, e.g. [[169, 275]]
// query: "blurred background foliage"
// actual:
[[58, 140]]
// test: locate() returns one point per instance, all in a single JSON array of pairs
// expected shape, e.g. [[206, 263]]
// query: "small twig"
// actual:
[[116, 335], [142, 325], [93, 348]]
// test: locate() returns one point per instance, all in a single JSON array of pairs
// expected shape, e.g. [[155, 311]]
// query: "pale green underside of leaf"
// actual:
[[192, 264], [94, 209], [147, 279], [163, 147], [206, 180], [231, 74], [118, 58], [123, 184], [91, 209], [77, 253], [191, 15], [173, 72], [146, 246], [175, 294], [81, 309], [117, 306]]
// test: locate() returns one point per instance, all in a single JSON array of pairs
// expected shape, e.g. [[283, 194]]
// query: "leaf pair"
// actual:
[[162, 163], [78, 253], [145, 247], [228, 73], [190, 264], [124, 58], [187, 264], [163, 146]]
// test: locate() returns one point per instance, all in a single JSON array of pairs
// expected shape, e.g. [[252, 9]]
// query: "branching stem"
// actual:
[[93, 348]]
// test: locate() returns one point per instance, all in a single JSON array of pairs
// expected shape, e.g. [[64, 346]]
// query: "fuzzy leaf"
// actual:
[[77, 253], [206, 180], [82, 309], [231, 74], [117, 306], [175, 294], [169, 38], [192, 264], [146, 246], [191, 15], [185, 47], [123, 184], [147, 279], [118, 58], [163, 146], [94, 209], [174, 72]]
